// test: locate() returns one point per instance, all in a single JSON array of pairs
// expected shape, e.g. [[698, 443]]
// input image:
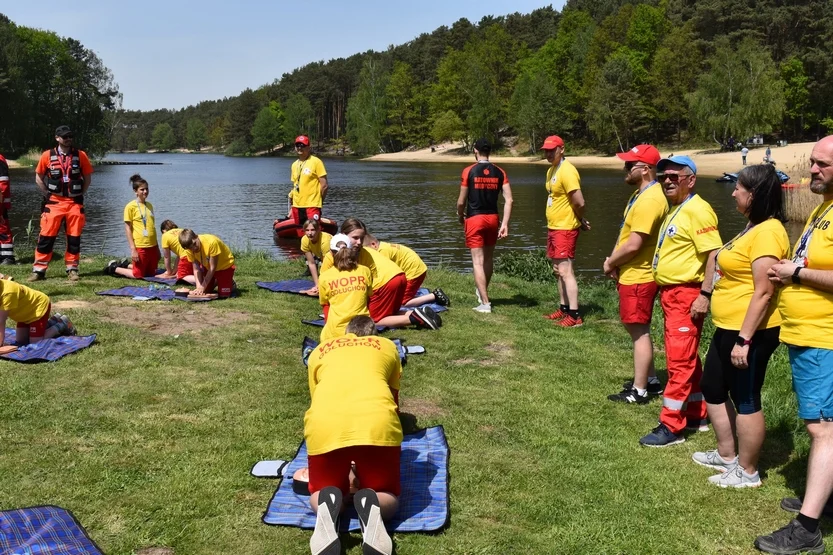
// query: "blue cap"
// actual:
[[681, 160]]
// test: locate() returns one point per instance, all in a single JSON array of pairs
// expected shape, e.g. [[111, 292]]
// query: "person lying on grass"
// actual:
[[212, 261], [140, 229], [314, 245], [183, 270], [414, 268], [31, 310], [353, 419]]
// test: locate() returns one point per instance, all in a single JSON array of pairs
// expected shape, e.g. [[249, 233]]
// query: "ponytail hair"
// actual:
[[346, 259], [136, 180]]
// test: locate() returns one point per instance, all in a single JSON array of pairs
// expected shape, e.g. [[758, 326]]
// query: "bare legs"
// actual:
[[482, 261], [643, 354], [567, 285], [749, 430]]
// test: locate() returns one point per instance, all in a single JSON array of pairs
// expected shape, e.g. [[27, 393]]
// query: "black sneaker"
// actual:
[[427, 318], [441, 298], [791, 539], [375, 538], [629, 396], [110, 268], [654, 388], [324, 540], [125, 263], [793, 505]]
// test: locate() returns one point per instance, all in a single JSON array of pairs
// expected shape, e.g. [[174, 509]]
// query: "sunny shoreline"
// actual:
[[790, 158]]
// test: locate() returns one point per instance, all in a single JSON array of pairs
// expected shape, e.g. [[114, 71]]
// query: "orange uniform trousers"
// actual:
[[682, 400], [56, 211]]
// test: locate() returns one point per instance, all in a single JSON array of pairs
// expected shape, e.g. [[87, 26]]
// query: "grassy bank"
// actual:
[[148, 436]]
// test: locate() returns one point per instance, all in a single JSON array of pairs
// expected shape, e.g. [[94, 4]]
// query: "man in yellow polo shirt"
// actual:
[[630, 265], [686, 238], [565, 217], [212, 260], [806, 304], [309, 183]]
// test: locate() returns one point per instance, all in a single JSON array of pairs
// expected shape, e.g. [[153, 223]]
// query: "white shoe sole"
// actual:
[[739, 486]]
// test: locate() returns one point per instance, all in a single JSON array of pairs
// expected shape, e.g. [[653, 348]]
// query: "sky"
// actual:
[[177, 53]]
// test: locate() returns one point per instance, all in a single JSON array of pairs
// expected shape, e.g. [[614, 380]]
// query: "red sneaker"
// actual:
[[557, 315], [570, 322]]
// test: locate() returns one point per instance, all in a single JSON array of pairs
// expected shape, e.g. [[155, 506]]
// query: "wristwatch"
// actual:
[[742, 342], [796, 278]]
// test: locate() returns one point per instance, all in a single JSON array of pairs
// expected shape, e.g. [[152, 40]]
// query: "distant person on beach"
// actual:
[[743, 152], [6, 237], [63, 175], [213, 263], [353, 424], [687, 237], [477, 211], [314, 245], [140, 229], [806, 303], [745, 314], [565, 217], [768, 154], [184, 270], [309, 183], [630, 265]]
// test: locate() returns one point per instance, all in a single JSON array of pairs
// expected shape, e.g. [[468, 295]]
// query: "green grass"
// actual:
[[149, 436]]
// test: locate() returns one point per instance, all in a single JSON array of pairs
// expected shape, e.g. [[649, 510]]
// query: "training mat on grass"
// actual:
[[319, 323], [46, 350], [287, 286], [46, 530], [423, 505], [156, 279], [309, 344], [147, 293]]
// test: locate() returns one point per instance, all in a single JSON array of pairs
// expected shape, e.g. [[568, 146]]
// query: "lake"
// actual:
[[414, 204]]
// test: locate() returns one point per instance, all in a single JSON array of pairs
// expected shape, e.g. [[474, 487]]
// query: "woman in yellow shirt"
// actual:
[[747, 322], [344, 290], [140, 229], [314, 245]]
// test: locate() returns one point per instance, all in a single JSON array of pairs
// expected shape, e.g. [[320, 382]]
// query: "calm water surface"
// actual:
[[414, 204]]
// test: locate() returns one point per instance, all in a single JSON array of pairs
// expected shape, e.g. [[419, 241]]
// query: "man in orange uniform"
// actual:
[[6, 237], [686, 239], [309, 183], [63, 175]]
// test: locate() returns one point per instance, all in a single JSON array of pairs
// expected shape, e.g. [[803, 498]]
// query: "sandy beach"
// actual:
[[790, 158]]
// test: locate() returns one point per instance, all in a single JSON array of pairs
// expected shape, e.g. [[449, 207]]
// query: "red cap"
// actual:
[[553, 141], [647, 154], [303, 139]]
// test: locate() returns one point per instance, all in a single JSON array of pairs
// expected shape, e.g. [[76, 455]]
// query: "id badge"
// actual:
[[66, 179], [549, 202], [145, 232]]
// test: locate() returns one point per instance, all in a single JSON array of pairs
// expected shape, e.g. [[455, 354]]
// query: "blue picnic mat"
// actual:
[[423, 505], [319, 323], [45, 530], [46, 350], [154, 279], [308, 344], [149, 293], [287, 286]]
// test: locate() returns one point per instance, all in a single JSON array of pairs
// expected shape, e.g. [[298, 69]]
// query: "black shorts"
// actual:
[[722, 379]]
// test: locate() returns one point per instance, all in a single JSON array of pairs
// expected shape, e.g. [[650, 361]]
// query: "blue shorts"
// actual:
[[812, 370]]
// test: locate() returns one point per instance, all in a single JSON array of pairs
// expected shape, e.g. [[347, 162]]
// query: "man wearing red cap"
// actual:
[[565, 216], [630, 265], [309, 183]]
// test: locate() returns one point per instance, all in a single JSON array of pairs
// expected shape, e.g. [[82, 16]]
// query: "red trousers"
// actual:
[[55, 211], [682, 400]]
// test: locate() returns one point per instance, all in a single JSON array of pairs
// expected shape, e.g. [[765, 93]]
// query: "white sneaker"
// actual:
[[375, 537], [712, 459], [324, 540], [485, 308], [736, 478]]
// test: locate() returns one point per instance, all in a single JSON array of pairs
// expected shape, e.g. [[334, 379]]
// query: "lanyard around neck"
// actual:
[[143, 216], [664, 230], [632, 201]]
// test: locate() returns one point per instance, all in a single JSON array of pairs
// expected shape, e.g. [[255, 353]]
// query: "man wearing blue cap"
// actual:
[[686, 239]]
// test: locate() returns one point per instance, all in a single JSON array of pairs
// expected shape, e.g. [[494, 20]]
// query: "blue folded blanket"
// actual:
[[45, 530], [423, 505], [308, 344], [149, 293], [46, 350], [154, 279], [287, 286]]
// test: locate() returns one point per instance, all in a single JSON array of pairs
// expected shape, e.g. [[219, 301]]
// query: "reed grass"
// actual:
[[799, 201], [30, 158]]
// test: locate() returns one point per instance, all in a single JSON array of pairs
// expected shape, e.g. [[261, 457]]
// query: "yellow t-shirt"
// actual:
[[211, 245], [306, 183], [350, 381], [735, 284], [805, 311], [686, 237], [561, 181], [170, 241], [347, 293], [644, 216], [23, 304], [317, 249], [141, 219], [382, 269], [404, 257]]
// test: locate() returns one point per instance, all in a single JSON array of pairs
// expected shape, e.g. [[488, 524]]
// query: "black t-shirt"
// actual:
[[485, 181]]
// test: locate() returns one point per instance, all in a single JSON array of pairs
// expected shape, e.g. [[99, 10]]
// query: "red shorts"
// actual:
[[636, 302], [223, 280], [377, 468], [300, 215], [148, 261], [561, 243], [413, 286], [184, 268], [38, 327], [388, 300], [481, 230]]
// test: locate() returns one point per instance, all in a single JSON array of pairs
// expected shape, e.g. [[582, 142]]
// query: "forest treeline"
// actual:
[[604, 74]]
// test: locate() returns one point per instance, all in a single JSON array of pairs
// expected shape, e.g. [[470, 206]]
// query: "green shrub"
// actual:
[[143, 147], [529, 265], [30, 158], [237, 148]]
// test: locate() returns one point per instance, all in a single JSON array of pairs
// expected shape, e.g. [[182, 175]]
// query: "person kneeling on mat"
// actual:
[[353, 418], [30, 309], [212, 260], [183, 270]]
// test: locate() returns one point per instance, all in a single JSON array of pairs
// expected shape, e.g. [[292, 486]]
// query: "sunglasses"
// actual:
[[630, 166], [300, 145], [67, 136], [673, 177]]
